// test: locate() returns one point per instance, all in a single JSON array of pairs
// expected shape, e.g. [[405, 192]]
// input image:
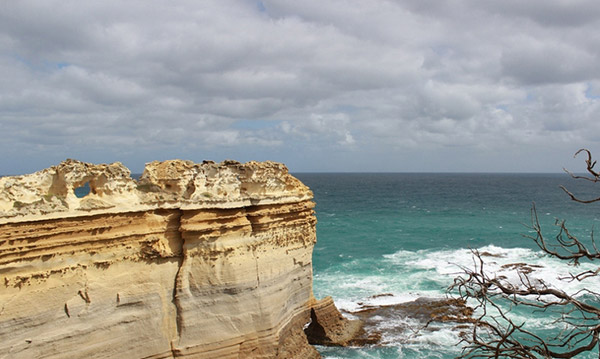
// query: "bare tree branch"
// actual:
[[595, 176], [496, 334]]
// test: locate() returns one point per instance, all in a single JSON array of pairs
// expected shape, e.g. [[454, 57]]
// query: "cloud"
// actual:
[[339, 83], [558, 13], [534, 62]]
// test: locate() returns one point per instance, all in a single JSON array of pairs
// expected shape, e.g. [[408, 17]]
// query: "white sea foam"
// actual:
[[498, 261], [405, 276], [347, 305], [391, 299]]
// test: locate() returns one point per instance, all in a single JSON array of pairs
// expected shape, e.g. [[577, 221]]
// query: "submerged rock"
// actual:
[[408, 320]]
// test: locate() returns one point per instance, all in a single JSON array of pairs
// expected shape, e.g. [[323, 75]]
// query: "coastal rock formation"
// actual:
[[329, 327], [192, 260]]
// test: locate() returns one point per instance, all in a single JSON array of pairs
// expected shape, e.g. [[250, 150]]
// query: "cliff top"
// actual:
[[50, 193]]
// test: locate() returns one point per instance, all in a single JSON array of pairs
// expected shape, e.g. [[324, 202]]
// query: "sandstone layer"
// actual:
[[192, 260]]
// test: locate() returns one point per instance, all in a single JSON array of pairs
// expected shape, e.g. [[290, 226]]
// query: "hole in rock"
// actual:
[[82, 191]]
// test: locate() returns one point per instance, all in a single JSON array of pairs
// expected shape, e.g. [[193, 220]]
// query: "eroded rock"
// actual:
[[193, 260], [329, 327], [50, 193]]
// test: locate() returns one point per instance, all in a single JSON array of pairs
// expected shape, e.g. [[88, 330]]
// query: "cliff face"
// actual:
[[193, 260]]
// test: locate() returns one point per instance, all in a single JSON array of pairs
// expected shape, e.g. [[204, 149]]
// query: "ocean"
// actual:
[[386, 238]]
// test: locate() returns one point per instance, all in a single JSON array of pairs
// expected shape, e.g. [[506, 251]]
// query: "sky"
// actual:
[[325, 86]]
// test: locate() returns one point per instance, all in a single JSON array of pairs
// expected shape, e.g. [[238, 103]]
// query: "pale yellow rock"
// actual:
[[175, 184], [194, 260]]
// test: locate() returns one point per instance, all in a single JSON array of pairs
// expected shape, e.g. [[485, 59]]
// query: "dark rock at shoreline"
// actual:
[[329, 327]]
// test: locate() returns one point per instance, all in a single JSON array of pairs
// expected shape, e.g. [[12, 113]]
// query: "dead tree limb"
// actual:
[[575, 316], [595, 176]]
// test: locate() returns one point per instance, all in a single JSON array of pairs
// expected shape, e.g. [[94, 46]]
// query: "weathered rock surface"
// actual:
[[329, 327], [164, 185], [193, 260]]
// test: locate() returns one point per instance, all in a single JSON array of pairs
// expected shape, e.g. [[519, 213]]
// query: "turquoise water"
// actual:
[[407, 234]]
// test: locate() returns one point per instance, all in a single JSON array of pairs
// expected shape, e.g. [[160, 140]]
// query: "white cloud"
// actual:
[[344, 80]]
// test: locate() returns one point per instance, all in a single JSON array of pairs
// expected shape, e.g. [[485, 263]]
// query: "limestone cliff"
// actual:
[[192, 260]]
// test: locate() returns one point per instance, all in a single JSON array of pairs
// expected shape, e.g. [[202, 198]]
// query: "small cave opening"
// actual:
[[82, 191]]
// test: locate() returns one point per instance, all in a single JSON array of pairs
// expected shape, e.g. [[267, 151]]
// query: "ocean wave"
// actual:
[[510, 263], [405, 276]]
